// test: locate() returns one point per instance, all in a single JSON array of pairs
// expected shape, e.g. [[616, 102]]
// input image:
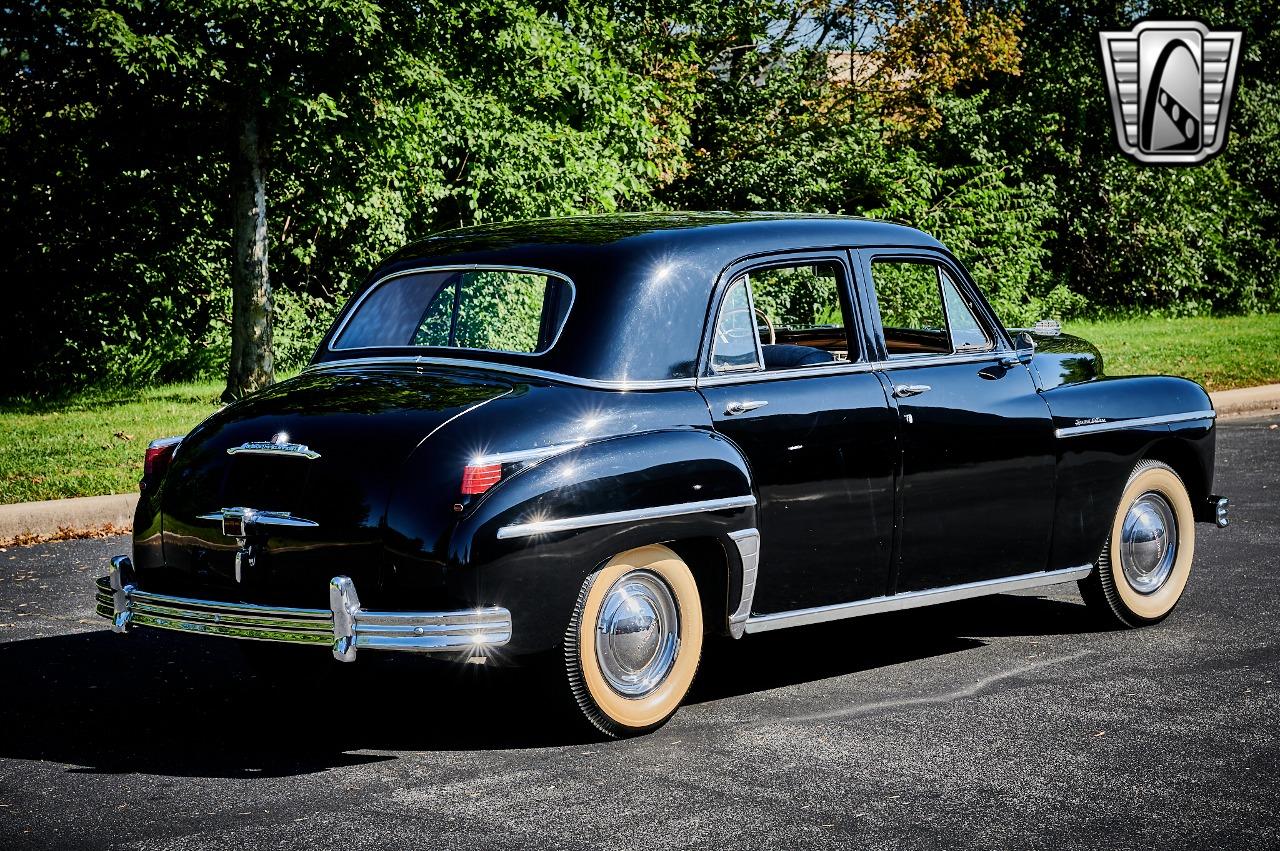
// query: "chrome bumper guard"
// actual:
[[344, 626]]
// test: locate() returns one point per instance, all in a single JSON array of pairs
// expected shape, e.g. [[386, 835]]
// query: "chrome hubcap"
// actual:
[[1148, 542], [637, 634]]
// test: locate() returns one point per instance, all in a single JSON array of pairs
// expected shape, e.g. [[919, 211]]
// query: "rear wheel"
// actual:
[[634, 641], [1146, 560]]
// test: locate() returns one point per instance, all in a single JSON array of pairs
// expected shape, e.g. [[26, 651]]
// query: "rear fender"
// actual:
[[673, 485]]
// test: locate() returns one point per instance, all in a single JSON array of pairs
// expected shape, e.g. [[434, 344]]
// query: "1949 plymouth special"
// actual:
[[609, 437]]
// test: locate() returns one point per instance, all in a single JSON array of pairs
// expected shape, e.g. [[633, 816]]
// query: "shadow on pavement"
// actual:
[[178, 705]]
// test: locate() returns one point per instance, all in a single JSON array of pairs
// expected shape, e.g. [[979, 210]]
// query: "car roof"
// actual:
[[642, 281], [676, 229]]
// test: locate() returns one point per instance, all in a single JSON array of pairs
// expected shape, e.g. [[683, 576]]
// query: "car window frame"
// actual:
[[847, 290], [346, 317], [969, 292]]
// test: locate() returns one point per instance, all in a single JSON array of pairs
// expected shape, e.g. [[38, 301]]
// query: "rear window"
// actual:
[[498, 310]]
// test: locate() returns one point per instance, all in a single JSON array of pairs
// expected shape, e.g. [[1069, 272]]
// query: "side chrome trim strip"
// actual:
[[510, 369], [524, 454], [586, 521], [913, 599], [748, 543], [1136, 422]]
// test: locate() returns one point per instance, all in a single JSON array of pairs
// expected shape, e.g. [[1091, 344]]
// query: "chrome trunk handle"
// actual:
[[902, 391]]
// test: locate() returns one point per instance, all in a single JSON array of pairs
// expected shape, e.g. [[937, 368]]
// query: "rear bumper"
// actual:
[[344, 626]]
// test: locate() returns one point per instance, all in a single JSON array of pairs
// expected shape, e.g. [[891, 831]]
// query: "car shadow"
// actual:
[[178, 705]]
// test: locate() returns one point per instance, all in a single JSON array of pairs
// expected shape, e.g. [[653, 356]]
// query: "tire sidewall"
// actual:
[[639, 714], [1160, 479]]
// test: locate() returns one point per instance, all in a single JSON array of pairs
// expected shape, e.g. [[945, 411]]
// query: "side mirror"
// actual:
[[1024, 348], [1024, 345]]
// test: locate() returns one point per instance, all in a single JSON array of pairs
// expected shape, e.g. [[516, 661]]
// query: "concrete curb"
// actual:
[[51, 517], [59, 516], [1247, 400]]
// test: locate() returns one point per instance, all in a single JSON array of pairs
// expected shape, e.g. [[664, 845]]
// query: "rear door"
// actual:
[[789, 382], [978, 452]]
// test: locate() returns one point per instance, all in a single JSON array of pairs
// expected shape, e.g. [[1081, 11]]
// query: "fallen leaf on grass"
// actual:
[[123, 436]]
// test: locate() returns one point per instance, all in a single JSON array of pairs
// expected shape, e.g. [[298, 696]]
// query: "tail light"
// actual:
[[156, 462], [478, 478]]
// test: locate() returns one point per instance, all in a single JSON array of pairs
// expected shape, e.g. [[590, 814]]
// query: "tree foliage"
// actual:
[[985, 123]]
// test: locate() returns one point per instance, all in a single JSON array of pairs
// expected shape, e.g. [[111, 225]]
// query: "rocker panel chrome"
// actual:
[[913, 599], [586, 521]]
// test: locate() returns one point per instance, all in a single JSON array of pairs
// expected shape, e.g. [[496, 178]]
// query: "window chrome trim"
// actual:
[[513, 369], [464, 267], [914, 599], [586, 521], [835, 368], [899, 361], [1133, 422]]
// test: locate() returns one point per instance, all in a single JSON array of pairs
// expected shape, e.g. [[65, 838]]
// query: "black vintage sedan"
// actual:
[[600, 440]]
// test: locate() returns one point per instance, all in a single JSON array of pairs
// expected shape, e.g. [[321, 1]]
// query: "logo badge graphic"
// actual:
[[1170, 84]]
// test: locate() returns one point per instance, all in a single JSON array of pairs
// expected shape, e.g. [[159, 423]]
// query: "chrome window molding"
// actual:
[[913, 599], [511, 369], [748, 543], [465, 267], [1133, 422], [834, 368], [903, 361], [587, 521]]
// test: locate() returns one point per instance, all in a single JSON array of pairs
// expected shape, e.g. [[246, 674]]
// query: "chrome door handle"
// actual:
[[902, 391], [742, 407]]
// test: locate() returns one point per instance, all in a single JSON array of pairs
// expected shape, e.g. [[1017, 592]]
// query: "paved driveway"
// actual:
[[998, 723]]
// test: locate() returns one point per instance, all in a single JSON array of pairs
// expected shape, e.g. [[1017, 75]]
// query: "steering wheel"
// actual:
[[773, 334]]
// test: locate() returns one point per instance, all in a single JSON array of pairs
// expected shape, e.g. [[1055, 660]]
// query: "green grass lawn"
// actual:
[[1220, 353], [93, 442]]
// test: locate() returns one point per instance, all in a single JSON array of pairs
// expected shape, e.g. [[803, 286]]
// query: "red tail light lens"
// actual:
[[478, 478], [159, 454]]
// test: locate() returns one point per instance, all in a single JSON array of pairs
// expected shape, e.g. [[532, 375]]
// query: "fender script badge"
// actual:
[[1091, 421]]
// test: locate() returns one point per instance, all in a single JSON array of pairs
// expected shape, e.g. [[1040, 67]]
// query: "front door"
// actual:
[[802, 403], [978, 462]]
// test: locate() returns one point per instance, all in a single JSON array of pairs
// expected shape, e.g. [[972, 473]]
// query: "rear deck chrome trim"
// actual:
[[1135, 422], [586, 521], [913, 599]]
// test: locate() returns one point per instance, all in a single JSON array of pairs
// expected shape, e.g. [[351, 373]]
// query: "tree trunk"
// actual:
[[252, 361]]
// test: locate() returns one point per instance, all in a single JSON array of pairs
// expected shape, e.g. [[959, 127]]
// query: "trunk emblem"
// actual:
[[277, 445]]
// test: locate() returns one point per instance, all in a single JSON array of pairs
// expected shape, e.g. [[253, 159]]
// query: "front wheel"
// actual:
[[634, 641], [1146, 560]]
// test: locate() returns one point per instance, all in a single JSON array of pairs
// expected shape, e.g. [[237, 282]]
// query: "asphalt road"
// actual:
[[1010, 722]]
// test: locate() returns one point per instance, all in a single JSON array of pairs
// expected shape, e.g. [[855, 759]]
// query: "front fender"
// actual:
[[537, 575], [1104, 428]]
